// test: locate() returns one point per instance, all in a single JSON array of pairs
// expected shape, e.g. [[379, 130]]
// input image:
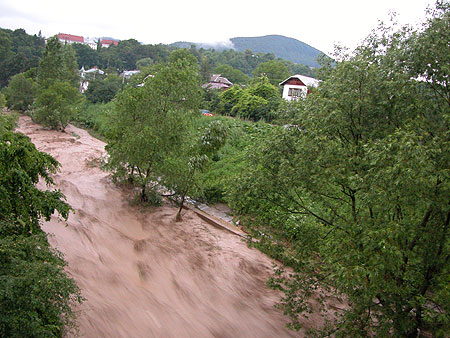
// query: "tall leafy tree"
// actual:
[[20, 93], [183, 166], [361, 189], [275, 70], [58, 85], [18, 53], [85, 56], [103, 90], [258, 101], [234, 75], [150, 120], [58, 64], [36, 295]]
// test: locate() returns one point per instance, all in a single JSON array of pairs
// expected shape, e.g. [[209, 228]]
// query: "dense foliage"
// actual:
[[258, 101], [19, 52], [152, 120], [57, 80], [155, 138], [103, 90], [354, 195], [20, 93], [36, 295]]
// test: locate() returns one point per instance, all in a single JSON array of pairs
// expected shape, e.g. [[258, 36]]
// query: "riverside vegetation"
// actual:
[[37, 295], [349, 187]]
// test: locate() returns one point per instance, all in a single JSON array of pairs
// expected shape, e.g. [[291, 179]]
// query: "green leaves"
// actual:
[[357, 198], [35, 293], [21, 167], [58, 86], [56, 104], [154, 122]]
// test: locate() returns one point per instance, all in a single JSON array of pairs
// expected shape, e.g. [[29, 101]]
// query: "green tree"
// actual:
[[183, 166], [275, 70], [18, 53], [228, 99], [144, 63], [58, 86], [2, 101], [150, 121], [37, 295], [103, 90], [56, 105], [185, 55], [258, 101], [251, 107], [58, 64], [20, 93], [234, 75], [85, 56], [361, 191], [21, 167]]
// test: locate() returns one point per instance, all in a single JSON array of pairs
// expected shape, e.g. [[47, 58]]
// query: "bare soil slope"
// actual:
[[143, 274]]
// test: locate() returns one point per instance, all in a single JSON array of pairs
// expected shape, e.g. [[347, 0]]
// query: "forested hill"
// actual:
[[281, 46]]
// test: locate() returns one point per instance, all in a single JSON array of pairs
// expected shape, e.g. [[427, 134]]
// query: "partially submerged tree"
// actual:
[[152, 120], [184, 165]]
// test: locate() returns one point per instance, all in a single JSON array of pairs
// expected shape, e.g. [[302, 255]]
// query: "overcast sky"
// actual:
[[319, 23]]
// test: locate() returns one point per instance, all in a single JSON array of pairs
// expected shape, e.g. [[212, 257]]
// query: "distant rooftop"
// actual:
[[306, 80]]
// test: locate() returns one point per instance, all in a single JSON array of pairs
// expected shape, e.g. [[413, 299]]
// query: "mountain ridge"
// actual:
[[281, 46]]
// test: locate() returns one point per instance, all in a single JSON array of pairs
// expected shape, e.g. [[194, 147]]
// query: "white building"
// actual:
[[69, 39], [296, 86], [91, 42]]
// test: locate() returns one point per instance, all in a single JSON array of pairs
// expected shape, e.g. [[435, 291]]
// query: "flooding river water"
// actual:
[[142, 273]]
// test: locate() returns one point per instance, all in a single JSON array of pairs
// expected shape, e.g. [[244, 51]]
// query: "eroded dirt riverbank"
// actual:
[[143, 274]]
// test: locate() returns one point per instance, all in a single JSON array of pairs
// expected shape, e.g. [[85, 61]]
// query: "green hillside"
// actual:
[[282, 46], [279, 45]]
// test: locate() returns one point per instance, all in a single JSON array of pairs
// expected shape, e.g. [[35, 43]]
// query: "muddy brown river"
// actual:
[[143, 274]]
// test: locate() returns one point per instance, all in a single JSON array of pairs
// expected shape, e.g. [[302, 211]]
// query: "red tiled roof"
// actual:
[[109, 42], [70, 37]]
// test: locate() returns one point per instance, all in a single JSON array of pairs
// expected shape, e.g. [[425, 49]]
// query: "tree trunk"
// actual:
[[178, 218]]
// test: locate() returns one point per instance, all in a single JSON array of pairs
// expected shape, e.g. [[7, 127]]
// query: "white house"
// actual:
[[296, 86], [91, 43], [87, 75], [69, 38]]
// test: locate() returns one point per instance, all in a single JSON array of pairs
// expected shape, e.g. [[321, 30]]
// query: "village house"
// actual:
[[87, 75], [105, 43], [297, 86], [69, 38], [216, 81], [91, 42]]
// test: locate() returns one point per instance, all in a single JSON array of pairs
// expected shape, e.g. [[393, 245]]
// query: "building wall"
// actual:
[[301, 89]]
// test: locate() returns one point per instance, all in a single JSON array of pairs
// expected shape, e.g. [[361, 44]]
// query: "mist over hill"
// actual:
[[281, 46]]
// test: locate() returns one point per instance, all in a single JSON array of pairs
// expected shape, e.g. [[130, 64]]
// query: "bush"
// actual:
[[55, 105], [36, 293], [20, 93], [103, 90]]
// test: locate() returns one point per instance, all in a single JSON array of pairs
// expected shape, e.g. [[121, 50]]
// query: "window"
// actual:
[[295, 92]]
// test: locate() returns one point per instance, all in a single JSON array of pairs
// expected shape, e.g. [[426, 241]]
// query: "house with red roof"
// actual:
[[108, 42], [69, 38]]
